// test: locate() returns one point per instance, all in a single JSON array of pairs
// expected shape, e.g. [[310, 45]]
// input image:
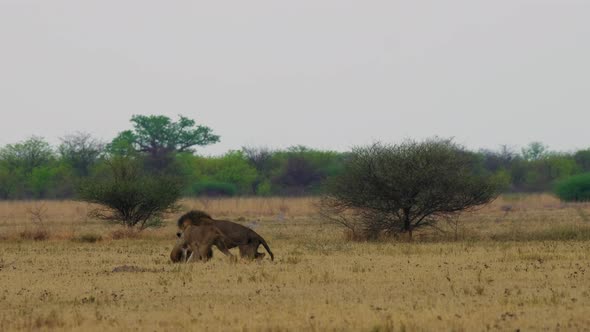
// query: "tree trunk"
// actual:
[[407, 223]]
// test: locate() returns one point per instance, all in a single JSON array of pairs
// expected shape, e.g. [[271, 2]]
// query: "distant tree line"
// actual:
[[33, 169], [535, 168]]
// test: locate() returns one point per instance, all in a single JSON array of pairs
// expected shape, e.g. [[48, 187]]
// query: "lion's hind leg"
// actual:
[[220, 244], [250, 251]]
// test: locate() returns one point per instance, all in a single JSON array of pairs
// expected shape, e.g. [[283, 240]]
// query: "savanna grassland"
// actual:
[[522, 262]]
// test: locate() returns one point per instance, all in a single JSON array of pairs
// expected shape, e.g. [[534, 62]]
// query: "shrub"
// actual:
[[215, 173], [264, 189], [395, 189], [35, 235], [129, 196], [574, 189]]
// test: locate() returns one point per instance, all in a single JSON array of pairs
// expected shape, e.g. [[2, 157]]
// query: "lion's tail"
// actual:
[[272, 257]]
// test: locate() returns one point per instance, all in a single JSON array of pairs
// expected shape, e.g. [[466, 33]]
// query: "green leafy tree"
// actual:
[[534, 151], [541, 174], [234, 168], [40, 180], [229, 174], [560, 166], [27, 155], [20, 163], [159, 138], [122, 145]]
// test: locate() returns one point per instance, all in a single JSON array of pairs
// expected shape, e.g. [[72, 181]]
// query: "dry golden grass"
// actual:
[[319, 281]]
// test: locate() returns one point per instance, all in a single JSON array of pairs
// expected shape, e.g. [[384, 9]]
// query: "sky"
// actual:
[[328, 74]]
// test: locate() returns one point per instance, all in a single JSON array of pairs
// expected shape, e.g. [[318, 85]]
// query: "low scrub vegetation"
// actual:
[[386, 190], [556, 233], [126, 194], [33, 169], [124, 233], [34, 234], [499, 268], [574, 189], [89, 238]]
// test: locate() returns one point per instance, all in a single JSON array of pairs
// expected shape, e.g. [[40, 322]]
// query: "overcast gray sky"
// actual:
[[327, 74]]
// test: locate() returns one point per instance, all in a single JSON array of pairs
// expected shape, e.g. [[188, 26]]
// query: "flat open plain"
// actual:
[[521, 263]]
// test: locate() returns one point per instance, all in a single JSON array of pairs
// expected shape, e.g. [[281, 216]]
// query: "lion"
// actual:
[[199, 240], [235, 234], [180, 252]]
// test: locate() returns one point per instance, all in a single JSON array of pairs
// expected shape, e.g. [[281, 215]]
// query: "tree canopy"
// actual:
[[158, 137], [398, 188]]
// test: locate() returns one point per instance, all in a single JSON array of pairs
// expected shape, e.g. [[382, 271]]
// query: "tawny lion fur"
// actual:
[[234, 235], [200, 239]]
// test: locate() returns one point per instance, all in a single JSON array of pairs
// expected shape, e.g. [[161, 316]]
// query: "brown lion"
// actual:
[[235, 235], [199, 240], [180, 253]]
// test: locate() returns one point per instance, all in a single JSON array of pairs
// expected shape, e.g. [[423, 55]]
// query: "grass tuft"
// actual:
[[34, 235], [556, 233], [89, 238], [125, 233]]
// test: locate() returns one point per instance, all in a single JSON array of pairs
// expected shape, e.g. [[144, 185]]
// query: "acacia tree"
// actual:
[[126, 194], [159, 137], [398, 188]]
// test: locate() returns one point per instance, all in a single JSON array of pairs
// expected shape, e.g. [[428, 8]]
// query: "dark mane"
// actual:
[[194, 216]]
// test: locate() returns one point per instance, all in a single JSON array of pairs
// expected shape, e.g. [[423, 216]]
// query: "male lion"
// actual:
[[235, 235], [199, 240]]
